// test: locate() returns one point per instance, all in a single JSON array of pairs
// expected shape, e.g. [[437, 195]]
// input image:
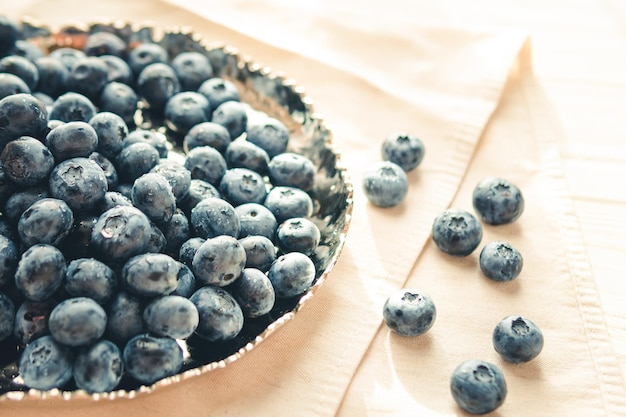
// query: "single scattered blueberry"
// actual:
[[111, 130], [298, 234], [206, 163], [88, 277], [31, 320], [192, 69], [121, 232], [213, 217], [457, 232], [77, 321], [385, 184], [149, 359], [27, 161], [497, 201], [80, 182], [219, 261], [48, 220], [233, 116], [478, 387], [256, 219], [40, 272], [269, 134], [220, 317], [260, 252], [403, 149], [99, 368], [218, 90], [254, 293], [243, 154], [409, 312], [207, 134], [153, 195], [135, 160], [242, 185], [7, 316], [46, 364], [172, 316], [72, 140], [291, 274], [150, 274], [288, 202], [517, 339], [500, 261], [292, 170], [124, 317]]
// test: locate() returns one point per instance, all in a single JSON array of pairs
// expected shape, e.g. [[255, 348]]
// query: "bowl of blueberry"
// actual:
[[165, 206]]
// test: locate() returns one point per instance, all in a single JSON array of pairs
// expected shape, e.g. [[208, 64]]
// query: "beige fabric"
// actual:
[[371, 74]]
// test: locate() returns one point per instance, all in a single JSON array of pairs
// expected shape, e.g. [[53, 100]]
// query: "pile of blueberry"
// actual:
[[123, 247], [477, 386]]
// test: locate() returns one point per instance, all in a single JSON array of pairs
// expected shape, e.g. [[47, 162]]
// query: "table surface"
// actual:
[[578, 51]]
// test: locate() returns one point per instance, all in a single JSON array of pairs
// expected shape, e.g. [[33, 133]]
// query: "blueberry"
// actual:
[[385, 184], [457, 232], [72, 140], [241, 185], [254, 293], [172, 316], [21, 67], [40, 272], [17, 204], [72, 106], [8, 259], [12, 84], [176, 231], [192, 69], [517, 339], [403, 149], [52, 76], [99, 368], [145, 54], [46, 364], [153, 195], [233, 116], [292, 170], [151, 137], [213, 217], [124, 317], [270, 135], [22, 115], [120, 99], [121, 232], [409, 312], [218, 91], [500, 261], [244, 154], [78, 243], [220, 316], [186, 282], [104, 43], [80, 182], [114, 199], [67, 56], [48, 220], [150, 274], [135, 160], [198, 191], [291, 274], [88, 76], [117, 70], [298, 234], [185, 110], [77, 321], [9, 34], [256, 219], [107, 167], [188, 250], [88, 277], [497, 201], [207, 134], [7, 186], [27, 49], [478, 387], [7, 316], [7, 230], [287, 202], [219, 261], [177, 175], [157, 241], [31, 320], [149, 359], [260, 252], [156, 84], [27, 161], [111, 130], [206, 163]]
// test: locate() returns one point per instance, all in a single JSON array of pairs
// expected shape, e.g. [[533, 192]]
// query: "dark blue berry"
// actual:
[[177, 175], [149, 359], [156, 84], [220, 316], [185, 110], [40, 272], [500, 261], [198, 191], [298, 234], [218, 91], [9, 34], [260, 252], [8, 259], [135, 160], [186, 282], [99, 368], [244, 154], [72, 140], [291, 274], [517, 339], [27, 161], [256, 219], [176, 231], [288, 202], [21, 67], [88, 277], [385, 184], [497, 201], [233, 116], [219, 261], [72, 106], [21, 200], [104, 43], [404, 150], [121, 232], [213, 217], [188, 250], [31, 320], [112, 132], [77, 321], [46, 364], [192, 69], [153, 195], [48, 220], [409, 312], [107, 167], [270, 135], [206, 163], [207, 134], [124, 317], [241, 185], [88, 76], [172, 316], [52, 76], [22, 115], [80, 182], [254, 293], [145, 54], [456, 232], [151, 137], [12, 84], [120, 99], [67, 56], [478, 387], [150, 274], [292, 170]]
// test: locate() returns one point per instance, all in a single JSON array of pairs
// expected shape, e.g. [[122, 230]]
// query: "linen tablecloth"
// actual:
[[470, 93]]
